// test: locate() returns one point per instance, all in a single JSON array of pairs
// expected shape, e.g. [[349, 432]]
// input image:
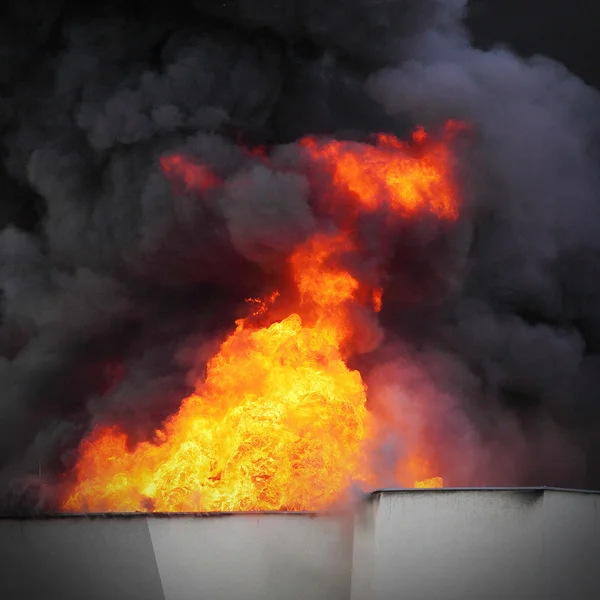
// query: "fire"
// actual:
[[188, 175], [280, 421], [419, 468], [432, 482], [393, 174], [377, 296]]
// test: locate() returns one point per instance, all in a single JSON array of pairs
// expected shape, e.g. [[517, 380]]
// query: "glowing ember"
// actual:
[[377, 299], [186, 174], [280, 422]]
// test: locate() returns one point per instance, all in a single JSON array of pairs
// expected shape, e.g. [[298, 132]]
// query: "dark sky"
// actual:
[[566, 31]]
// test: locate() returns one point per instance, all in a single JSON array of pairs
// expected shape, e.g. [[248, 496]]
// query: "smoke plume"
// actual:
[[117, 286]]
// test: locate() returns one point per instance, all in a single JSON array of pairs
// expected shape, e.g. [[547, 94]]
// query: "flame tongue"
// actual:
[[393, 174], [280, 423]]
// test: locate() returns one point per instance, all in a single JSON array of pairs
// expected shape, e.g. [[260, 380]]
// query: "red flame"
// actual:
[[280, 421], [184, 172]]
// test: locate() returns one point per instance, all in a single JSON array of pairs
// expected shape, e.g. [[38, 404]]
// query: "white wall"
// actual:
[[254, 557], [413, 545], [478, 545], [218, 557]]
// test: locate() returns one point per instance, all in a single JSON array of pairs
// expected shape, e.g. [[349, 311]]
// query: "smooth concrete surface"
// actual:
[[177, 557], [253, 557], [85, 558], [478, 544]]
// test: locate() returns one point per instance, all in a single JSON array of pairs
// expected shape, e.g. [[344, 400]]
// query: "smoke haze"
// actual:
[[116, 287]]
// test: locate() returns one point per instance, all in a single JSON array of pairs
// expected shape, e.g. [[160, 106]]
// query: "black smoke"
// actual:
[[115, 288]]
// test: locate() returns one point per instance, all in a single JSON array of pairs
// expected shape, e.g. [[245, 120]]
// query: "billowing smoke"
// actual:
[[116, 285]]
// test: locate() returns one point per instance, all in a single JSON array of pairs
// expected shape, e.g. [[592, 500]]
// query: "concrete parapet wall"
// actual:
[[477, 545], [413, 545]]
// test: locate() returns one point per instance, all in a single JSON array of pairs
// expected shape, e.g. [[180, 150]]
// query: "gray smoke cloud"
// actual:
[[115, 286], [517, 319]]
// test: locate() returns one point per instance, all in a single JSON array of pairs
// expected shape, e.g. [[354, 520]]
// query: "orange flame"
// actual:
[[377, 297], [432, 482], [392, 174], [278, 423], [281, 421]]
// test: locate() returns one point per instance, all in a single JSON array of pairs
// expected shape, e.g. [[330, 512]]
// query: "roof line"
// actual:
[[486, 489], [368, 496]]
